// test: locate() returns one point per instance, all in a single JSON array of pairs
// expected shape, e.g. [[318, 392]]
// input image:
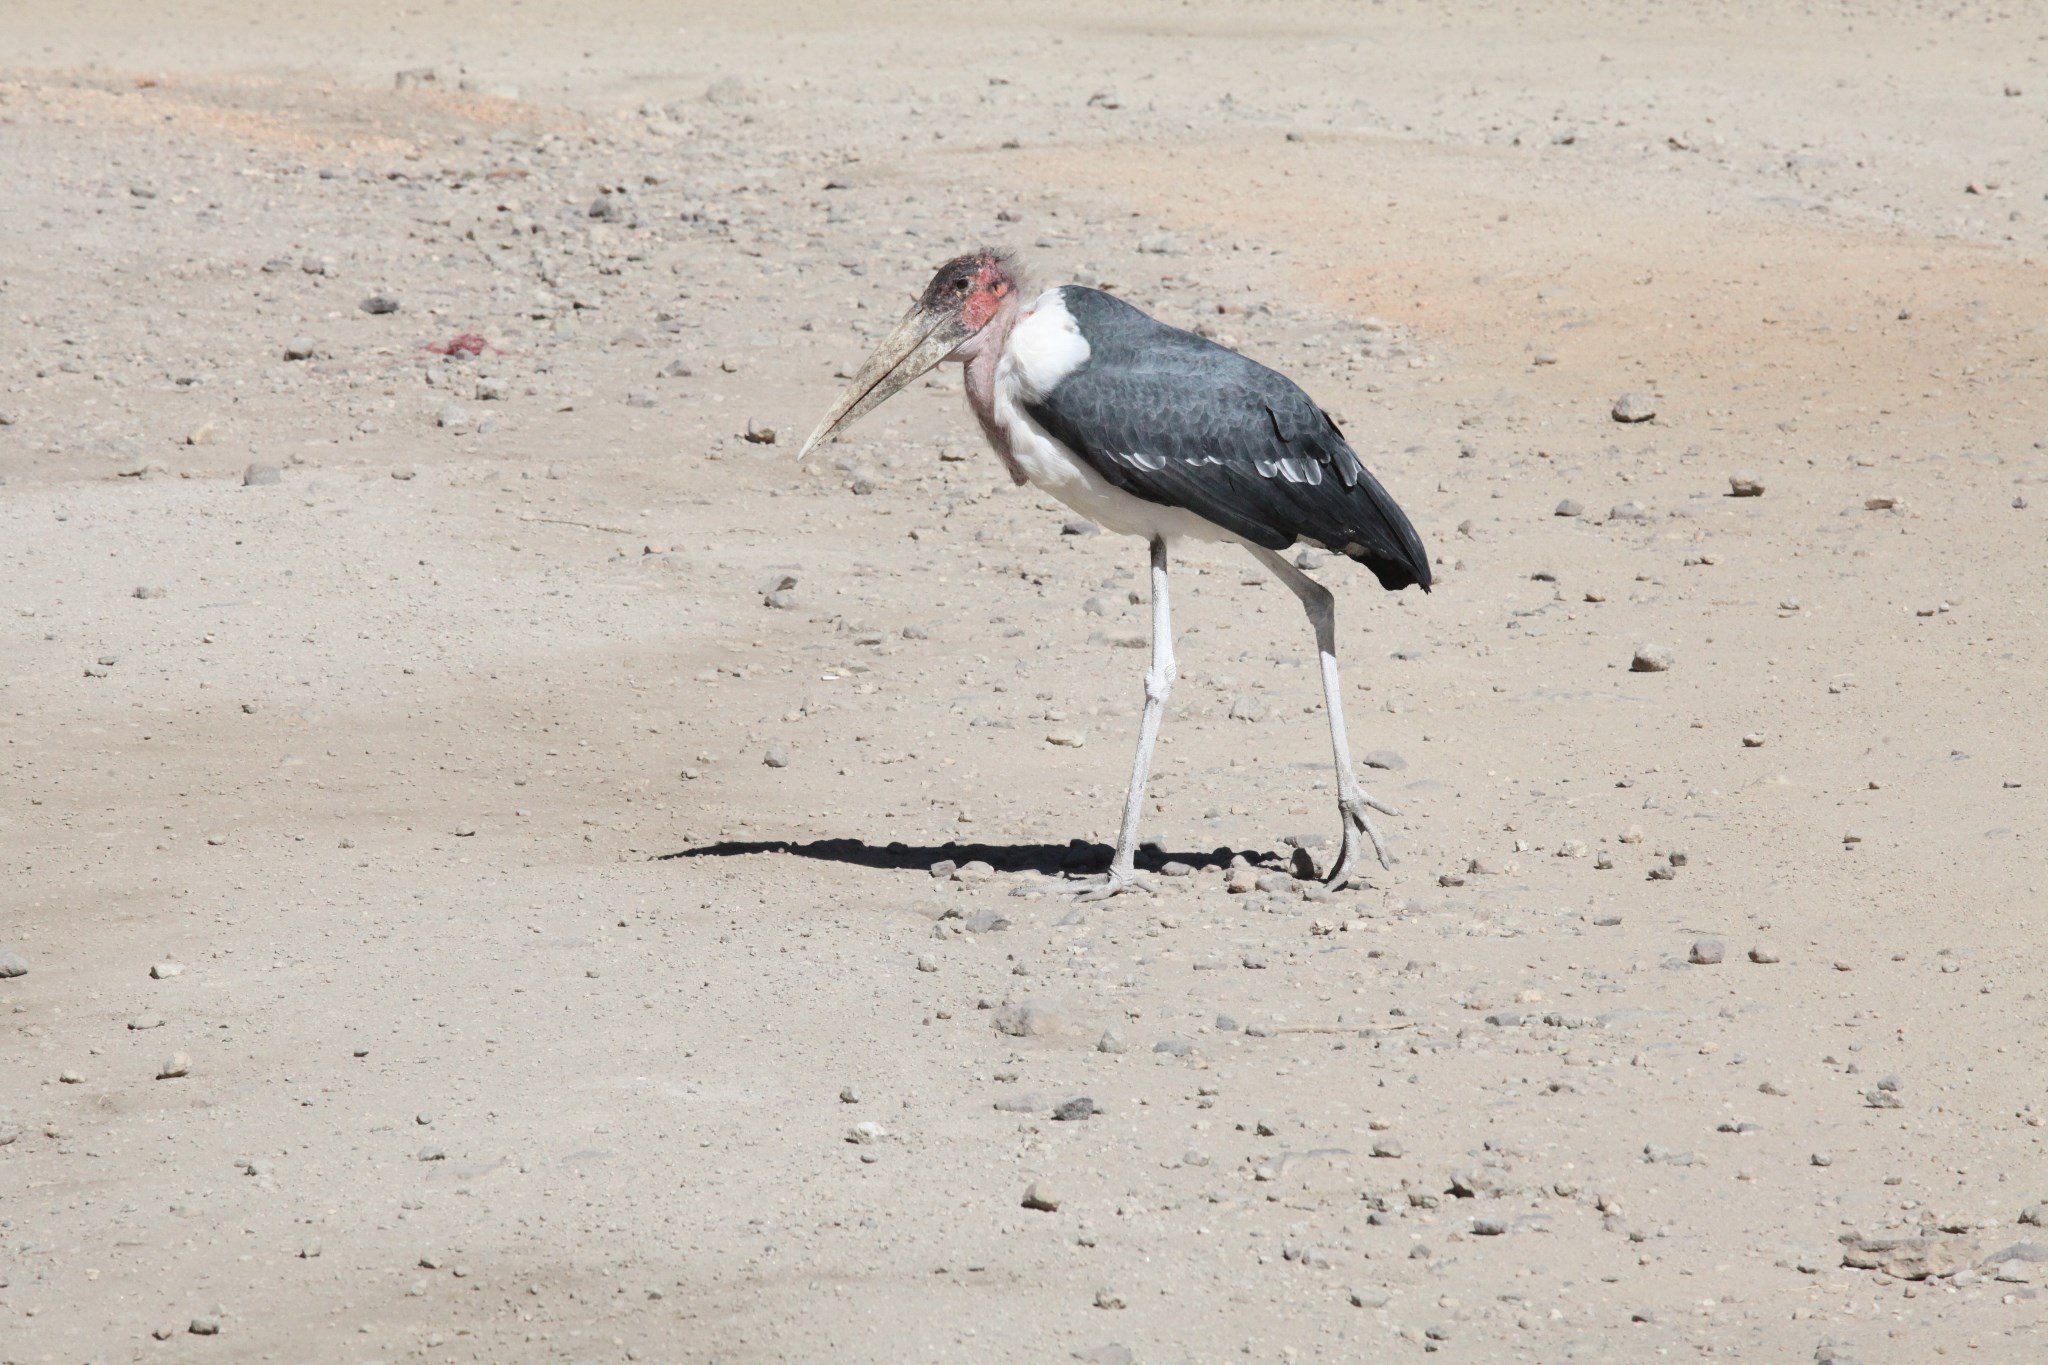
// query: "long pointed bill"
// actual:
[[921, 340]]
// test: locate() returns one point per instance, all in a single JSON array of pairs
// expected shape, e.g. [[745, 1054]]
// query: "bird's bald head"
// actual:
[[972, 287]]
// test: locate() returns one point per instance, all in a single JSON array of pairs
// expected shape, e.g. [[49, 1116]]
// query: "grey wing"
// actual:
[[1237, 444]]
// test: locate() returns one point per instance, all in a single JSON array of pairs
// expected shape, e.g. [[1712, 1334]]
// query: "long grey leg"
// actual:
[[1123, 871], [1352, 800]]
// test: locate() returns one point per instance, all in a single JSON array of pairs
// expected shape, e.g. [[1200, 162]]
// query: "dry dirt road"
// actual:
[[384, 731]]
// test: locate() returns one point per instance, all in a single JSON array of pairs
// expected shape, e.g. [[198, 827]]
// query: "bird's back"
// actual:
[[1173, 418]]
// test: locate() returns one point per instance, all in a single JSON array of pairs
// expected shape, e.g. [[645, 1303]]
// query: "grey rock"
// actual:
[[1634, 407], [1365, 1297], [1043, 1196], [299, 348], [1489, 1227], [1076, 1109], [433, 1154], [1652, 658], [987, 921], [675, 369], [13, 964], [1745, 484], [1077, 526], [174, 1066], [1173, 1047], [454, 417], [257, 474], [1113, 1042], [1707, 952], [776, 757], [379, 304], [207, 1326], [1570, 507], [1027, 1019], [1024, 1102]]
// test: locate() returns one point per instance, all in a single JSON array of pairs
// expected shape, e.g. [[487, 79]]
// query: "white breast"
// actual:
[[1045, 347]]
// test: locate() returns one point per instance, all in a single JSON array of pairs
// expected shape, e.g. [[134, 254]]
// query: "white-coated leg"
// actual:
[[1352, 800], [1123, 871]]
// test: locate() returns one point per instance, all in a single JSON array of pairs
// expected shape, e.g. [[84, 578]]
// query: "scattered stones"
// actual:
[[1707, 952], [1745, 484], [12, 964], [1634, 407], [257, 475], [174, 1066], [379, 304], [1651, 658], [1043, 1196]]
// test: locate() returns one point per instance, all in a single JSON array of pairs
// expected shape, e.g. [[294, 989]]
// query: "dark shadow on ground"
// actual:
[[1050, 860]]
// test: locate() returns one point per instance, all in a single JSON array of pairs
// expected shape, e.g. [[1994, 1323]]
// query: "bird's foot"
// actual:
[[1357, 807], [1111, 883]]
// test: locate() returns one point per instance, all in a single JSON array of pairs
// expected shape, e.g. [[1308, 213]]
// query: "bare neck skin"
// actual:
[[978, 356]]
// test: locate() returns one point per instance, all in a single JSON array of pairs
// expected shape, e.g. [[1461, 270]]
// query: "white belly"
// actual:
[[1044, 348]]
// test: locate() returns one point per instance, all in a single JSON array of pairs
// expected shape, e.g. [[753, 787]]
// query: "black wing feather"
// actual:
[[1171, 418]]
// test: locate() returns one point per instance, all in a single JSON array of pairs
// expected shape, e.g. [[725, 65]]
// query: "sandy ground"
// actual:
[[415, 806]]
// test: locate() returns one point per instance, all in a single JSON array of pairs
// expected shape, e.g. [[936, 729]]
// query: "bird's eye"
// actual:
[[960, 285]]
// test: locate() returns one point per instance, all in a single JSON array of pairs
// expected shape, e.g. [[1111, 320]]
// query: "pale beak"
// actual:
[[920, 341]]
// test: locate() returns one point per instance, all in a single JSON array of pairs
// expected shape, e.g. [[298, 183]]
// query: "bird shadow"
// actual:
[[1051, 860]]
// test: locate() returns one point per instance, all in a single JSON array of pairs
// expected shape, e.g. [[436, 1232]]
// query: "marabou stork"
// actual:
[[1155, 432]]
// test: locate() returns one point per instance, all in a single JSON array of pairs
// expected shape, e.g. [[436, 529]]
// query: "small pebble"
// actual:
[[848, 1095], [760, 433], [146, 1021], [1634, 407], [433, 1154], [776, 757], [299, 348], [205, 1327], [1370, 1298], [174, 1066], [927, 963], [258, 474], [1764, 955], [1752, 741], [1042, 1196], [379, 304], [1651, 658], [1821, 1159], [164, 971], [1076, 1109], [1108, 1298], [1707, 952], [1745, 484], [1570, 507], [1113, 1041], [13, 964]]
